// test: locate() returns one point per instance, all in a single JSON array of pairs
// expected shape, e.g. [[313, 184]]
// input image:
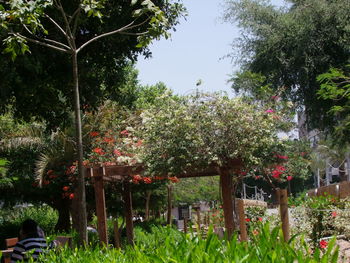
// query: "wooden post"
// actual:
[[128, 213], [226, 185], [100, 209], [185, 225], [116, 234], [283, 198], [242, 222], [198, 212], [169, 205]]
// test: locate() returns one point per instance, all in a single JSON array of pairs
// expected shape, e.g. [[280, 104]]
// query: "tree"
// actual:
[[335, 87], [291, 46], [22, 21]]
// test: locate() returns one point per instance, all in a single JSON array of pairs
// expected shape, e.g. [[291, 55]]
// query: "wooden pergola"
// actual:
[[123, 174]]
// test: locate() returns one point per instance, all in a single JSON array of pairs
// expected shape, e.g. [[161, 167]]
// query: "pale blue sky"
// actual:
[[195, 51]]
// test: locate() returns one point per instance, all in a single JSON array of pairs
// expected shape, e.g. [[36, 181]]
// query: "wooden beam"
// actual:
[[128, 213], [169, 188], [242, 222], [100, 209], [226, 186]]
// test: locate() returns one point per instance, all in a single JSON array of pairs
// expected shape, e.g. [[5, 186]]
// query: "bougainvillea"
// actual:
[[206, 130]]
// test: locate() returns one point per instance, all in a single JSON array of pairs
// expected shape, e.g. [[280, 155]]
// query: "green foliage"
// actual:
[[204, 130], [11, 219], [192, 190], [290, 47], [169, 245], [322, 216], [35, 80], [335, 87]]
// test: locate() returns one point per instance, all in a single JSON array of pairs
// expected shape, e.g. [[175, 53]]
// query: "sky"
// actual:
[[197, 51]]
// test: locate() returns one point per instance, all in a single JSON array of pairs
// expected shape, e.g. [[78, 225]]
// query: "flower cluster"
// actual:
[[114, 148]]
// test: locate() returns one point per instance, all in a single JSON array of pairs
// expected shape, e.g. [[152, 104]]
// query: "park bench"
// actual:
[[10, 244]]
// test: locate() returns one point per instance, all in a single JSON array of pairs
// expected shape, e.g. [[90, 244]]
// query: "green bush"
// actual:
[[169, 245], [321, 216], [11, 220]]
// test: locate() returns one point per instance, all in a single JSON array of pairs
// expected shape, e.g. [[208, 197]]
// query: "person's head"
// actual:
[[29, 228]]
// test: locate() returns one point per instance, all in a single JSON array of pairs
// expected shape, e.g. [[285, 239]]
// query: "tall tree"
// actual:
[[68, 34], [291, 46]]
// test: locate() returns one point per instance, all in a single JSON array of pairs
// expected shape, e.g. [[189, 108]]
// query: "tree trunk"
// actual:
[[148, 198], [226, 184], [63, 222], [81, 198]]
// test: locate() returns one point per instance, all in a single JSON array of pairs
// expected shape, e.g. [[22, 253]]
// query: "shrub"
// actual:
[[11, 220]]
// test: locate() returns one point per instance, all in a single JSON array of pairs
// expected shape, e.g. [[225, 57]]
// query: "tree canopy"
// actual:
[[40, 84], [291, 46]]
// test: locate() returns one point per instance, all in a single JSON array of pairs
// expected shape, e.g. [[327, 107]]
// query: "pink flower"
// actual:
[[283, 157], [257, 177], [260, 219], [124, 132], [274, 97], [276, 174], [289, 178], [323, 244], [334, 214], [117, 152], [269, 111]]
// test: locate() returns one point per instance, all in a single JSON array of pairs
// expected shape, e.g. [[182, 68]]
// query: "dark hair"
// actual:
[[29, 228]]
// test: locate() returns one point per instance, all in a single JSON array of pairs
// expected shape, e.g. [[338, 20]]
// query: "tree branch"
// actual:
[[42, 43], [56, 24], [70, 36], [46, 39], [124, 28], [76, 14]]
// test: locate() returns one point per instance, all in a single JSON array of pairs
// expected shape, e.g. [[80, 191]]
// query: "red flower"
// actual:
[[94, 133], [139, 143], [280, 168], [247, 219], [108, 139], [71, 196], [98, 151], [260, 219], [65, 188], [323, 244], [46, 182], [136, 179], [276, 174], [49, 172], [147, 180], [283, 157], [334, 214], [274, 97], [289, 178], [124, 132], [257, 177], [174, 179], [117, 152]]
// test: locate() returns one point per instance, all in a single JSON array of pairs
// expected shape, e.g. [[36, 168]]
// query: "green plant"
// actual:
[[169, 245], [11, 219]]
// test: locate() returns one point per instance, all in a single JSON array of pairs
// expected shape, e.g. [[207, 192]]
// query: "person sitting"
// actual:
[[31, 242]]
